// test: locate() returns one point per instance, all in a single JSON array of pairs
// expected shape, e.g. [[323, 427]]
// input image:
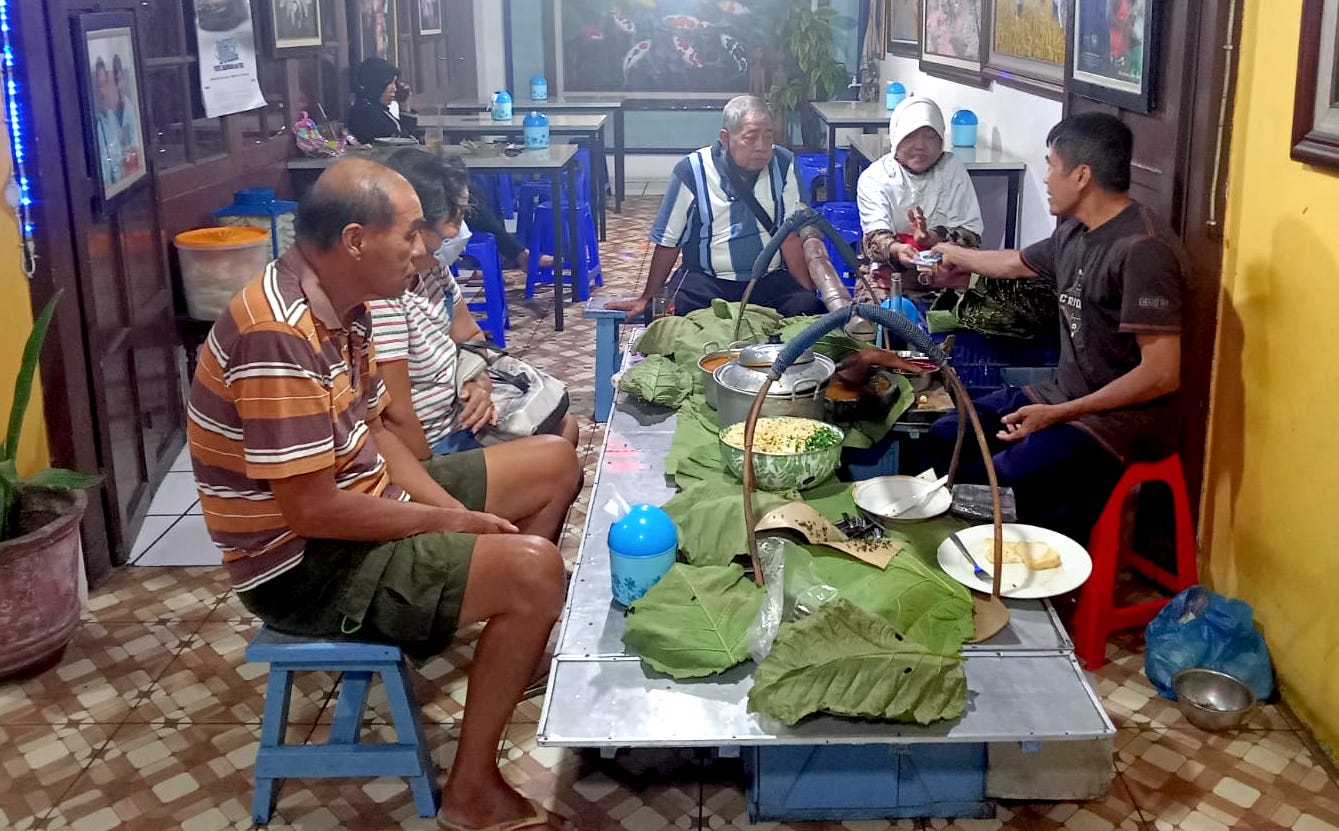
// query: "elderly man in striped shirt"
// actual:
[[329, 525], [722, 206]]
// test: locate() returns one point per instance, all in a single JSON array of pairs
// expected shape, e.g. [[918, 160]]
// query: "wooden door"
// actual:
[[1174, 173]]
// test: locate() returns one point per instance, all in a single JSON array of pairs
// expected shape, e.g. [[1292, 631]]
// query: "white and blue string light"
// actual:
[[17, 140]]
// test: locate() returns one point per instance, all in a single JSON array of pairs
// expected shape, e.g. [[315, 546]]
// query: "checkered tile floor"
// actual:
[[151, 719]]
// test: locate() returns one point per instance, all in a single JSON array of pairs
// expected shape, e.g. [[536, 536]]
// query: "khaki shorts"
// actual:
[[406, 592]]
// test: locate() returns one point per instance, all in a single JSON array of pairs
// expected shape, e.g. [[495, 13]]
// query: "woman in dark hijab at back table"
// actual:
[[379, 103]]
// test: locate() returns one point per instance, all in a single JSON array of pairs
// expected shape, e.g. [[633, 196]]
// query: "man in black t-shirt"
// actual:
[[1120, 274]]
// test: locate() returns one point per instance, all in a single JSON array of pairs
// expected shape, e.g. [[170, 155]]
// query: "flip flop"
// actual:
[[539, 819]]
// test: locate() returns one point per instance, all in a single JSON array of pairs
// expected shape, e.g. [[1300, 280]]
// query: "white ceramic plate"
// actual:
[[875, 496], [1017, 580]]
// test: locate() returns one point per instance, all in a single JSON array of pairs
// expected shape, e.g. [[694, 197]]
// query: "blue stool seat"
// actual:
[[538, 190], [343, 755], [812, 169], [500, 189], [492, 311], [541, 242], [845, 218]]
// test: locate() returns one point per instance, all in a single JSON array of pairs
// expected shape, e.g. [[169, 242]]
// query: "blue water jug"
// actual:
[[536, 128], [501, 105], [896, 95], [964, 128], [642, 547], [539, 88]]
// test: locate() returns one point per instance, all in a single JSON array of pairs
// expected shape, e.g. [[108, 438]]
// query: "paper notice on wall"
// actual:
[[227, 40]]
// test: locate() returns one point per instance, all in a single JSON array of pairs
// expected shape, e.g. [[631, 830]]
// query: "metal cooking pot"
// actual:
[[713, 356], [799, 391]]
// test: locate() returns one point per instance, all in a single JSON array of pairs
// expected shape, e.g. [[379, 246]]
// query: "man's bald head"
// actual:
[[349, 192]]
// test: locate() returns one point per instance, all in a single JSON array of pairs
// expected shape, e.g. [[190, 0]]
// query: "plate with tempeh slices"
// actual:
[[1038, 562]]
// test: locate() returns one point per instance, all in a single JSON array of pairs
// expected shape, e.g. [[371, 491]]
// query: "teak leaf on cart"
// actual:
[[695, 621]]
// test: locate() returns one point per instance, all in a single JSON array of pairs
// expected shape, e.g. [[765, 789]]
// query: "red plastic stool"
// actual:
[[1097, 616]]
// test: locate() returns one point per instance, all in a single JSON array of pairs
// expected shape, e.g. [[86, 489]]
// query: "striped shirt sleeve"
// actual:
[[284, 401], [670, 228], [390, 329]]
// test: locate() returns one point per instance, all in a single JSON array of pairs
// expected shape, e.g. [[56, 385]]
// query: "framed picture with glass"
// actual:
[[1027, 44], [1113, 52], [372, 31], [953, 38], [429, 17], [293, 24], [110, 103], [1315, 137], [903, 24]]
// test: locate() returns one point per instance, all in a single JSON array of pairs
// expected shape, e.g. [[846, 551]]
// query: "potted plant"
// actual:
[[797, 53], [39, 537]]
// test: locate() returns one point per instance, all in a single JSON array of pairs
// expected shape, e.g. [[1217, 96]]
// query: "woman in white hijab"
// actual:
[[917, 195]]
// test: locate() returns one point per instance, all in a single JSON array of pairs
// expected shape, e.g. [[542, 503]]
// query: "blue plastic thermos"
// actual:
[[539, 88], [536, 128], [896, 95], [964, 128], [501, 105], [642, 547]]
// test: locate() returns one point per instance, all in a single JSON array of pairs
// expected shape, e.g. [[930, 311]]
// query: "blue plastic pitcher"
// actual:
[[642, 547], [539, 88], [501, 105], [964, 128], [536, 128], [896, 95]]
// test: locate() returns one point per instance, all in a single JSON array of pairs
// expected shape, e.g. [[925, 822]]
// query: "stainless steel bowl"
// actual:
[[1212, 700]]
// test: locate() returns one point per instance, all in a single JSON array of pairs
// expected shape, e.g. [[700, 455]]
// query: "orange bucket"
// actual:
[[217, 262]]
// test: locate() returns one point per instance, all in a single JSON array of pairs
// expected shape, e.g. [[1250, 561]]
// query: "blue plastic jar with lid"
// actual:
[[257, 208], [536, 128], [502, 105], [896, 95], [539, 88], [642, 547], [964, 128]]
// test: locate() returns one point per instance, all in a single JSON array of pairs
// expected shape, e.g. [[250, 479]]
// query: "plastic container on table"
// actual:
[[536, 128], [895, 95], [539, 88], [257, 208], [502, 105], [216, 263], [964, 125], [642, 547]]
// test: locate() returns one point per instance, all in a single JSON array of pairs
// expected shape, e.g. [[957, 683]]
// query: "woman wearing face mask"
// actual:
[[918, 195], [380, 107], [416, 334]]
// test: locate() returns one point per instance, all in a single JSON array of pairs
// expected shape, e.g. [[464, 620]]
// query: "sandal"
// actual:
[[539, 819]]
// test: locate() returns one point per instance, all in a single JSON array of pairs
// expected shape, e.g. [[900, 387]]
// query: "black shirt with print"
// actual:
[[1123, 278]]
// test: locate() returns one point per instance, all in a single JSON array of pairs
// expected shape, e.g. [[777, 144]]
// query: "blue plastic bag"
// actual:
[[1200, 628]]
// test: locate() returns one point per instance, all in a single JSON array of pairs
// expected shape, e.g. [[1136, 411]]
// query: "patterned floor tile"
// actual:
[[104, 670], [1116, 812], [157, 593], [39, 763]]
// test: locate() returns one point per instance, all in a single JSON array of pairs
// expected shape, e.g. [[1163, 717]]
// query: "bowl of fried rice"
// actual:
[[788, 453]]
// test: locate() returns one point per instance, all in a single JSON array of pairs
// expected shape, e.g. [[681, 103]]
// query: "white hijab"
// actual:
[[887, 189]]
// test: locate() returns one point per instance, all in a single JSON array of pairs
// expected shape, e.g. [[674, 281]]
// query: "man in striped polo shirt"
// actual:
[[329, 525], [722, 206]]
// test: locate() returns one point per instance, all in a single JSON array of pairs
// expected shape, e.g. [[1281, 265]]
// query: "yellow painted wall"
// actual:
[[1272, 520]]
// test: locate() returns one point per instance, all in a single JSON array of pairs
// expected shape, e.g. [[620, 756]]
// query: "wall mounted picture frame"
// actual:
[[429, 17], [1028, 44], [293, 25], [373, 31], [904, 27], [1315, 135], [113, 120], [953, 38], [1113, 52]]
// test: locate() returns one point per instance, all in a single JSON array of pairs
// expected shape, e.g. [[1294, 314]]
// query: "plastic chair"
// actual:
[[541, 242], [500, 189], [344, 755], [812, 168], [1097, 616], [845, 218], [492, 311], [533, 192]]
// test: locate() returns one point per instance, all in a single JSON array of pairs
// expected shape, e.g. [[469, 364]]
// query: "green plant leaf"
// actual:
[[694, 621], [710, 515], [23, 384], [62, 480], [660, 337], [657, 379], [843, 660]]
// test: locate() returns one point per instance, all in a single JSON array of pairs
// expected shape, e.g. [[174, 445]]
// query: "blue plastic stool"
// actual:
[[536, 191], [845, 218], [812, 168], [492, 312], [343, 755], [541, 242], [501, 191]]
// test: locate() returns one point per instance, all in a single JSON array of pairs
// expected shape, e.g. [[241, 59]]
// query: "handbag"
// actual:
[[529, 402]]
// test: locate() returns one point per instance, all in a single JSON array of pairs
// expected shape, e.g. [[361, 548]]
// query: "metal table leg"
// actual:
[[832, 163], [578, 255], [556, 200], [600, 182], [620, 157]]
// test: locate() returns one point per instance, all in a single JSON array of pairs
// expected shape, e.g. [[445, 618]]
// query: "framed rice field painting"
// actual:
[[903, 23], [953, 37], [1113, 52], [1028, 40]]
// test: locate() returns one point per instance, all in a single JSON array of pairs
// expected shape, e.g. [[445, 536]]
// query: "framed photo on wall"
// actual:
[[1027, 43], [1315, 137], [904, 28], [372, 31], [110, 104], [429, 17], [953, 38], [294, 24], [1113, 52]]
